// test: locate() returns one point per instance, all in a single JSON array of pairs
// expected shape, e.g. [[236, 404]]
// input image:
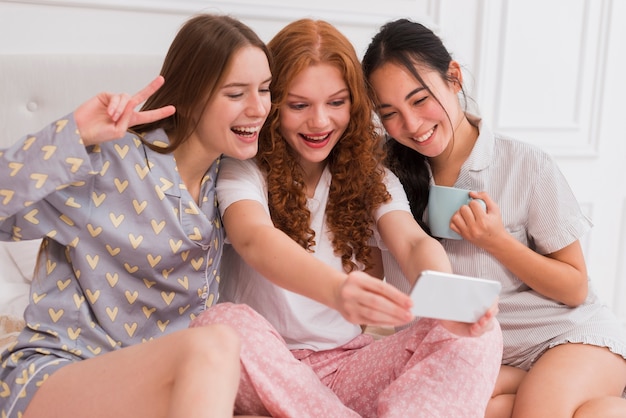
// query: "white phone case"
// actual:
[[452, 296]]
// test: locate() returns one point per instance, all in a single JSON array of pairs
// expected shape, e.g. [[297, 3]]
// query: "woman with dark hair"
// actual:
[[564, 350], [132, 238], [306, 220]]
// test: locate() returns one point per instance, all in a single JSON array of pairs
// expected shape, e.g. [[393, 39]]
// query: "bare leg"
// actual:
[[570, 378], [607, 407], [503, 398], [190, 373]]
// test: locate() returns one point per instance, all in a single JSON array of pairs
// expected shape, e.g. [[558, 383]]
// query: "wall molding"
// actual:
[[243, 9], [575, 133]]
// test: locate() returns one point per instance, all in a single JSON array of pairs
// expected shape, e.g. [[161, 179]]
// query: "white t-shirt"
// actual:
[[302, 322]]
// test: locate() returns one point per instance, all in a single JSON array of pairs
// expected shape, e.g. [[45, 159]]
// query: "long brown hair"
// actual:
[[357, 187], [194, 67]]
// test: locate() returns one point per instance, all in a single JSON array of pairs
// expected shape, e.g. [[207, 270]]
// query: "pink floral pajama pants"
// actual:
[[421, 371]]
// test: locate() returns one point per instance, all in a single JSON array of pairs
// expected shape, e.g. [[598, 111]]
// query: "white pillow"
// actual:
[[17, 263]]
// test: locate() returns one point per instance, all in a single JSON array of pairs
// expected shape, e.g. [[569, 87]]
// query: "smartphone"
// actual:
[[452, 296]]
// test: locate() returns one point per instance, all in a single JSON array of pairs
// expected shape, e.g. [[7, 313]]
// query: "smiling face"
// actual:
[[231, 121], [411, 114], [316, 113]]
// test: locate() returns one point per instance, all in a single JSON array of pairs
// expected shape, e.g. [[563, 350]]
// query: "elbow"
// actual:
[[579, 296]]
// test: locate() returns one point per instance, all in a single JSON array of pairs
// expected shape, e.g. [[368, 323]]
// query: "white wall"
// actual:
[[546, 72], [149, 25]]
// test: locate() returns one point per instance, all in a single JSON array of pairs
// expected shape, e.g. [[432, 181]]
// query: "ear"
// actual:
[[456, 75]]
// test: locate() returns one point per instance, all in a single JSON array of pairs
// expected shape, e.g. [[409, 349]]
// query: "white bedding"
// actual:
[[17, 261]]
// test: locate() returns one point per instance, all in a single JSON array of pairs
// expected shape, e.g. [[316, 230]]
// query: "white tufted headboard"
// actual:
[[36, 90]]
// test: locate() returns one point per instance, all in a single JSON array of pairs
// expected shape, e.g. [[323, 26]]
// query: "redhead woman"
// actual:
[[307, 220]]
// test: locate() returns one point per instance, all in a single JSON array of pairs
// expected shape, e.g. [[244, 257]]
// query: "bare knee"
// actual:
[[213, 342], [500, 406], [509, 380], [605, 407], [503, 397]]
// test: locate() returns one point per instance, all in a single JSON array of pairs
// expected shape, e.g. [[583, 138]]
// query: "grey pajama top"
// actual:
[[127, 255], [539, 209]]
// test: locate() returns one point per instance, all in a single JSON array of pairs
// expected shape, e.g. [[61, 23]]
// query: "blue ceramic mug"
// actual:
[[443, 202]]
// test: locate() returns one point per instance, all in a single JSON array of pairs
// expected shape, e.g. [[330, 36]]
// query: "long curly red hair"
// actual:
[[357, 187]]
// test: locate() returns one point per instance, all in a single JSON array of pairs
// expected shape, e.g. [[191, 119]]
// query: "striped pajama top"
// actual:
[[538, 209]]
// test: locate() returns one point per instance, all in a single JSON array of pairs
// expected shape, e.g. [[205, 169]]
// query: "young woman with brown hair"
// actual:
[[132, 238]]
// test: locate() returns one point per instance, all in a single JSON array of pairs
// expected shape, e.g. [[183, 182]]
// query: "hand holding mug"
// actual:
[[445, 202], [484, 229]]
